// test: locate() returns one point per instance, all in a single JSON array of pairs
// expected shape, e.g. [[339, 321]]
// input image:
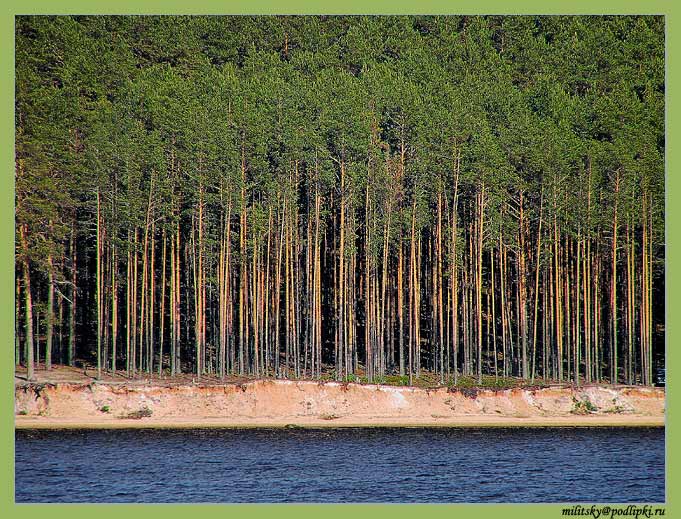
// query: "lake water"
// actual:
[[342, 465]]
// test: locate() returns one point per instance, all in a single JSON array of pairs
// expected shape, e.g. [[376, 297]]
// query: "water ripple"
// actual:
[[346, 465]]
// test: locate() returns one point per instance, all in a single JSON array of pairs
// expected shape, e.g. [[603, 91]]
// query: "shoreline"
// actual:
[[43, 423]]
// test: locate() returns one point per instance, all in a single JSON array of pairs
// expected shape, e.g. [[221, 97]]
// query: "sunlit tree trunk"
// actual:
[[49, 315], [99, 288], [536, 291], [614, 374], [114, 308], [28, 305]]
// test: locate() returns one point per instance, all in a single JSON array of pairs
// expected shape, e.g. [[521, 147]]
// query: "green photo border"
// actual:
[[673, 217]]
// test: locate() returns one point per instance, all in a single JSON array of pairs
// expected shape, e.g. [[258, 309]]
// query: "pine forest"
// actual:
[[341, 197]]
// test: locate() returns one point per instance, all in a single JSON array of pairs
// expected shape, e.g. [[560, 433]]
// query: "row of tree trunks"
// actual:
[[520, 310]]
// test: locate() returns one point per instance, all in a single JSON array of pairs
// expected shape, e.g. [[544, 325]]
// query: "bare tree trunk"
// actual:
[[536, 291], [17, 325], [558, 295], [631, 284], [49, 316], [242, 278], [494, 318], [114, 308], [478, 275], [28, 304], [340, 368], [70, 356], [152, 306], [99, 289], [454, 290], [128, 308], [161, 316], [400, 305], [614, 373]]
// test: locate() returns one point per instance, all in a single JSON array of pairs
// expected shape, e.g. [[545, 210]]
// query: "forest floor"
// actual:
[[427, 380], [68, 397]]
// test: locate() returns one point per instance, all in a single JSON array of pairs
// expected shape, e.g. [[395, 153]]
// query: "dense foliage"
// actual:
[[294, 196]]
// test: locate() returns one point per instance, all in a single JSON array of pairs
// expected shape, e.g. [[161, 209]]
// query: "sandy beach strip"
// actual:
[[24, 422]]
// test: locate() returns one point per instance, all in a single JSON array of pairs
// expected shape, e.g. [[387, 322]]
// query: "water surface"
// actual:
[[342, 465]]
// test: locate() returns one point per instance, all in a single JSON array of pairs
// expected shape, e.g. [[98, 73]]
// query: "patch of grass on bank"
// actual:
[[615, 409], [397, 380], [582, 406], [492, 382], [431, 380]]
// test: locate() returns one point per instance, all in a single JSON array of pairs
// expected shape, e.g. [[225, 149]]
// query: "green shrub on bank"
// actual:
[[582, 406]]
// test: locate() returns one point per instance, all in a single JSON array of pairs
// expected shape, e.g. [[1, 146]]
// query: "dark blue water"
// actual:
[[342, 465]]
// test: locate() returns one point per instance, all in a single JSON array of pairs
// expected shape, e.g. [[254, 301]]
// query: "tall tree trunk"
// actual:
[[242, 251], [17, 322], [161, 312], [522, 288], [341, 338], [400, 305], [631, 312], [49, 315], [71, 350], [453, 274], [114, 308], [536, 290], [99, 288], [478, 275], [494, 317], [614, 375], [558, 294], [438, 286], [152, 301], [28, 304]]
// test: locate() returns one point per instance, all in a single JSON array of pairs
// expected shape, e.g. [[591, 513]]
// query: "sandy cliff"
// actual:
[[305, 403]]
